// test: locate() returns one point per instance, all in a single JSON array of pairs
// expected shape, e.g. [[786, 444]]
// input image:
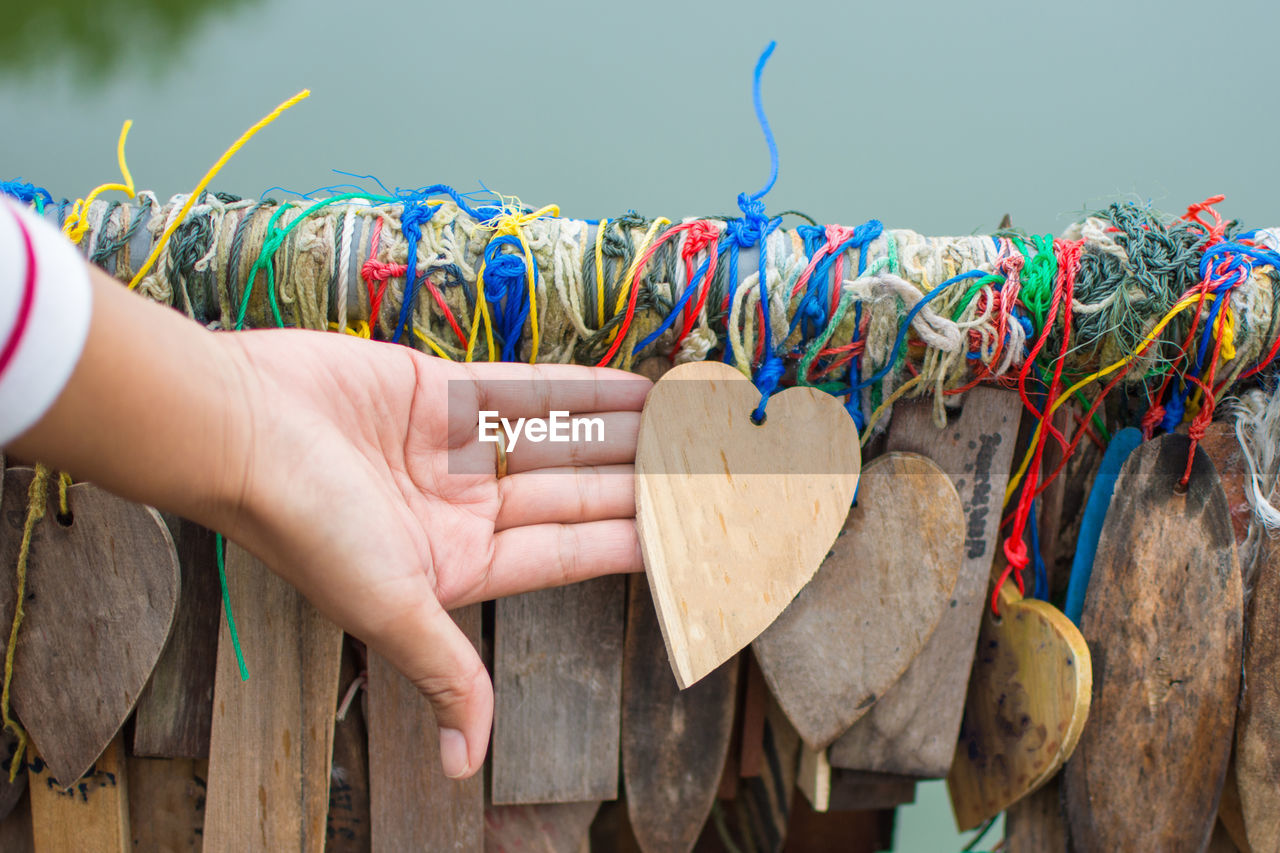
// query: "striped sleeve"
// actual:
[[45, 306]]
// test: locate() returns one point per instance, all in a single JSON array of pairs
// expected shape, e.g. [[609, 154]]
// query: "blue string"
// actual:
[[677, 308], [764, 123], [506, 288], [1040, 589], [906, 325], [25, 193]]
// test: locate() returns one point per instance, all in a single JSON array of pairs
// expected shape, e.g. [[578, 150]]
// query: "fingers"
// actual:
[[432, 651], [566, 495], [608, 438], [542, 555], [522, 390]]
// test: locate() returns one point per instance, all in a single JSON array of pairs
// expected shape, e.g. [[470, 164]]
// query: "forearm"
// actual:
[[154, 411]]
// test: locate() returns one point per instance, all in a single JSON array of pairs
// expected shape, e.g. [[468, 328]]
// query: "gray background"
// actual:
[[938, 116]]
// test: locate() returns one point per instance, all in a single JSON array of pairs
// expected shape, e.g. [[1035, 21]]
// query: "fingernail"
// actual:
[[453, 753]]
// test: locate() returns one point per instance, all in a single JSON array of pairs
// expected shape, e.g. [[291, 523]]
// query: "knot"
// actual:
[[504, 272], [25, 193], [700, 234], [1199, 425], [754, 225], [767, 378], [1015, 551], [375, 270], [1152, 419]]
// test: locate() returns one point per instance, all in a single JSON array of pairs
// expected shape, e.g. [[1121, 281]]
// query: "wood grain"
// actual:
[[347, 828], [271, 742], [557, 681], [101, 594], [1035, 823], [547, 828], [860, 790], [733, 517], [1257, 737], [412, 804], [856, 627], [175, 710], [92, 813], [765, 800], [166, 800], [1028, 701], [912, 729], [1163, 621], [674, 741]]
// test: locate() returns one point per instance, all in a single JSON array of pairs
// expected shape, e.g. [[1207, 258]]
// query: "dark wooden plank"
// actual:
[[547, 828], [166, 800], [859, 790], [175, 710], [348, 829], [1163, 620], [412, 804], [558, 693], [15, 829], [674, 741], [839, 831], [100, 597], [1035, 823], [1257, 739], [10, 792], [764, 801], [912, 729], [271, 743], [848, 636]]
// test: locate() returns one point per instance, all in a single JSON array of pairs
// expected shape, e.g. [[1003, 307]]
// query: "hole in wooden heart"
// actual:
[[758, 418], [1179, 488], [66, 519]]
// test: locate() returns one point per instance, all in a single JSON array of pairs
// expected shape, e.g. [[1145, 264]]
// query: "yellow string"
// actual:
[[625, 291], [1177, 309], [600, 274], [435, 348], [77, 222], [884, 406], [64, 482], [37, 496], [511, 225], [209, 176]]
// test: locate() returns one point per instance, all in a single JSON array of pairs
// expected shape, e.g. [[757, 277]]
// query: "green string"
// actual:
[[226, 605]]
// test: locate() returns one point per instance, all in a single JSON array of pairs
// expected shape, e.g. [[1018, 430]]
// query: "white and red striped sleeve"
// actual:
[[45, 306]]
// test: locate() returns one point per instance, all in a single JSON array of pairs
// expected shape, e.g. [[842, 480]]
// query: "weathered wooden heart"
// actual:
[[854, 629], [1163, 617], [1028, 700], [735, 517], [101, 594]]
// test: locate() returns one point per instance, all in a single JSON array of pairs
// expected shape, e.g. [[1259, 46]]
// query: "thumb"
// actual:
[[440, 660]]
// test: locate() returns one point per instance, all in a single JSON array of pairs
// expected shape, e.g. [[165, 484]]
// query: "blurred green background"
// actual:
[[938, 116]]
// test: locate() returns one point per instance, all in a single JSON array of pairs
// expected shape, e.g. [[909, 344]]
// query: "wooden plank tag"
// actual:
[[166, 799], [1035, 823], [412, 804], [705, 473], [1163, 620], [557, 679], [854, 629], [547, 828], [674, 741], [176, 709], [271, 742], [912, 729], [100, 596], [1027, 706], [90, 814]]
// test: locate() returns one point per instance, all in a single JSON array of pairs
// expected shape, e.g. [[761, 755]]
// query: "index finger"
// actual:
[[532, 390]]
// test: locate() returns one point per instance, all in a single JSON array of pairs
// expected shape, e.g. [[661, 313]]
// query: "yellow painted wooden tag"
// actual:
[[91, 813], [734, 518], [1028, 700]]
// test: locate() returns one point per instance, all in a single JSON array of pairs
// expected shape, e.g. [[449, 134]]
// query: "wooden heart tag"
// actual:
[[854, 629], [1028, 700], [734, 518], [101, 594], [1163, 617]]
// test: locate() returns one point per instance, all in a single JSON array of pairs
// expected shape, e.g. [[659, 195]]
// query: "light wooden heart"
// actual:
[[1028, 700], [734, 518], [854, 629], [101, 594]]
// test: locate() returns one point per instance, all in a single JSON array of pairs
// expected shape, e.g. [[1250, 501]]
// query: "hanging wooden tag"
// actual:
[[854, 629], [1162, 617], [547, 828], [674, 741], [175, 710], [166, 799], [271, 742], [557, 680], [100, 597], [912, 729], [92, 813], [734, 518], [1027, 705], [412, 804]]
